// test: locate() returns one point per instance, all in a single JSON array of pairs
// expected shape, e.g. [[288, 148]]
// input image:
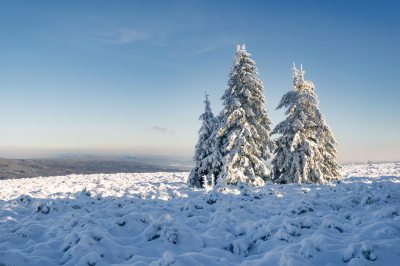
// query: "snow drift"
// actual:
[[155, 219]]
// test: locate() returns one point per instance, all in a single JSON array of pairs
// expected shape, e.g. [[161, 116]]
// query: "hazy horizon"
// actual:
[[39, 154]]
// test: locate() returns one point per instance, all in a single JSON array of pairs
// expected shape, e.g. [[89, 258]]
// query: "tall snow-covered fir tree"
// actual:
[[305, 152], [203, 150], [242, 136]]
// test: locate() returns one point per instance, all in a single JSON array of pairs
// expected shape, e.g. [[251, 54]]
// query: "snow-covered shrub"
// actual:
[[393, 195], [305, 152], [293, 226], [154, 231], [292, 260], [245, 191], [85, 192], [356, 250], [351, 252], [173, 233], [265, 232], [191, 208], [167, 259], [223, 221], [165, 229], [130, 225], [135, 216], [309, 248], [70, 240], [387, 231], [333, 224], [368, 199], [80, 222], [391, 211], [45, 207], [228, 207], [239, 247], [367, 250], [23, 233], [25, 199], [242, 136], [282, 234], [90, 259], [212, 197], [301, 206]]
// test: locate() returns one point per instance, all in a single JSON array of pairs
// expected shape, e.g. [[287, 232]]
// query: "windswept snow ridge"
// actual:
[[155, 219]]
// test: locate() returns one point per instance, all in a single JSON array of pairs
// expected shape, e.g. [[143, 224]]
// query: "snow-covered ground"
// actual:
[[155, 219]]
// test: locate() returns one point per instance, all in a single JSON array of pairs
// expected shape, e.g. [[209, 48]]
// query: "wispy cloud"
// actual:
[[208, 49], [161, 130], [120, 36]]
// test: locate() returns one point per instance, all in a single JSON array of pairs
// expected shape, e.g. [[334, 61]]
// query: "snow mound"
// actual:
[[156, 219]]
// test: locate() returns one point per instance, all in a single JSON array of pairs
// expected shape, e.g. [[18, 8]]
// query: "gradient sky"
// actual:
[[129, 76]]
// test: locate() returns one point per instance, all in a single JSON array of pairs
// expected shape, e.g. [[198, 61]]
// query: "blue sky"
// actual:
[[129, 76]]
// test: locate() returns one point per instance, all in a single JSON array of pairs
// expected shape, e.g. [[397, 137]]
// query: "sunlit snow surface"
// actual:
[[155, 219]]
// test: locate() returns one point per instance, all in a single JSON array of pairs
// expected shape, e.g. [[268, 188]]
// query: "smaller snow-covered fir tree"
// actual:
[[203, 150], [216, 155], [242, 137], [305, 152]]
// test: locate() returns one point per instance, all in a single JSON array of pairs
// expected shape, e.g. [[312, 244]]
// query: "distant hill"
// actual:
[[27, 168], [360, 163], [182, 162]]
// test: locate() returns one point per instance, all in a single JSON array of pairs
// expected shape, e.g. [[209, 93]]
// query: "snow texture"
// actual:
[[305, 152], [156, 219]]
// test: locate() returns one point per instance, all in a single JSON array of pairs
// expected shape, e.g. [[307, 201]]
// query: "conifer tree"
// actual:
[[242, 137], [216, 156], [305, 152], [203, 149]]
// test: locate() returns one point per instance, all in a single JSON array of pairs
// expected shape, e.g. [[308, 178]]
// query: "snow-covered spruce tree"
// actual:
[[305, 152], [204, 163], [215, 156], [243, 134]]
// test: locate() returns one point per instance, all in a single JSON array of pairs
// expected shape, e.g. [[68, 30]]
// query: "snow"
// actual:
[[156, 219]]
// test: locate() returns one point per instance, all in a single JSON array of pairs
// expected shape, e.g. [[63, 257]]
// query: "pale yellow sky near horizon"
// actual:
[[346, 155]]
